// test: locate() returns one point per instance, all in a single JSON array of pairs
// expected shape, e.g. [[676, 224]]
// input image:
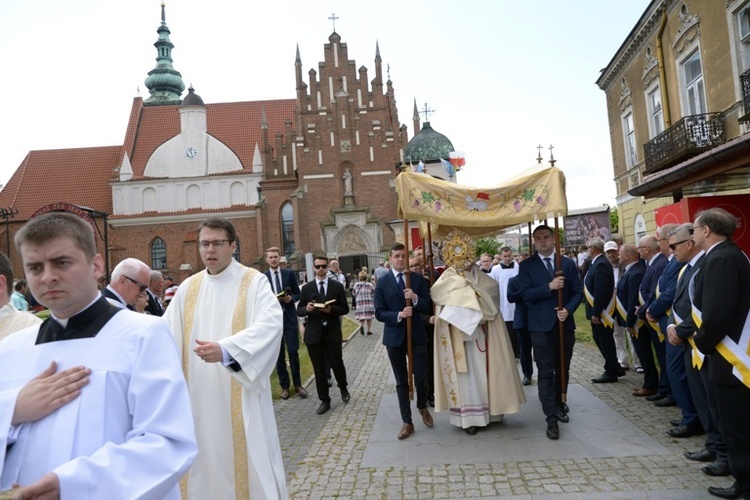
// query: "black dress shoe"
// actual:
[[675, 422], [553, 430], [604, 378], [664, 402], [683, 431], [655, 397], [471, 431], [700, 456], [345, 396], [526, 381], [324, 407], [716, 468], [562, 416], [621, 372], [731, 493]]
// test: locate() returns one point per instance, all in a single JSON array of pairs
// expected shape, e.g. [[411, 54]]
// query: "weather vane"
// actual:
[[333, 19], [426, 112]]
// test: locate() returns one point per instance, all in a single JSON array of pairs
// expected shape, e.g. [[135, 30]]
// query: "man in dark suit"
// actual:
[[391, 309], [627, 288], [539, 291], [153, 293], [284, 285], [653, 379], [323, 329], [722, 305], [129, 283], [599, 289], [679, 332]]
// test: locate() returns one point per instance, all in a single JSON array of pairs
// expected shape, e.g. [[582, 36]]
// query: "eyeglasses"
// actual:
[[692, 229], [414, 266], [321, 266], [215, 243], [140, 285], [674, 246]]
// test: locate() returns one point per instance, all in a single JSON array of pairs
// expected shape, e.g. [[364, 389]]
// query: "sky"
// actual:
[[502, 76]]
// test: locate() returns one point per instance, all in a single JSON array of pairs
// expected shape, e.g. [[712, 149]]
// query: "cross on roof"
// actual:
[[333, 19], [426, 112]]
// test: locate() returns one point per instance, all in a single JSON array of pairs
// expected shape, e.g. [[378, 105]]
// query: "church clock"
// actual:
[[191, 152]]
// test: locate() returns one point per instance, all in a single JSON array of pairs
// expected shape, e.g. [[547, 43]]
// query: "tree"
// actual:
[[488, 245], [614, 220]]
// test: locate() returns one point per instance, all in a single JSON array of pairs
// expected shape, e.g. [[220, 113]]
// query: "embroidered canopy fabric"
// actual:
[[535, 194]]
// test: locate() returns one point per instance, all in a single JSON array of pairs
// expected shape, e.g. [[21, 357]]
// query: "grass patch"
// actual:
[[583, 326], [348, 327]]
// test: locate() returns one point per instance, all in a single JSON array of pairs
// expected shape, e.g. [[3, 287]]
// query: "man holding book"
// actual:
[[322, 301]]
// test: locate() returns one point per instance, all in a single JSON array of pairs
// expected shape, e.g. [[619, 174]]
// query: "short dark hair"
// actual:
[[506, 249], [397, 246], [53, 225], [7, 271], [20, 284], [217, 223], [719, 221], [320, 257], [543, 227]]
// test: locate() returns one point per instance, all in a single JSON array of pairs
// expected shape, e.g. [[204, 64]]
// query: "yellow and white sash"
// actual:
[[607, 312]]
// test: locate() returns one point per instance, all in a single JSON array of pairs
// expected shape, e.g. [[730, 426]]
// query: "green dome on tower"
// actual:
[[427, 145], [164, 83]]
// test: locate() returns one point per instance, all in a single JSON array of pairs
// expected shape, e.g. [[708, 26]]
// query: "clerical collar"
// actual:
[[506, 266], [485, 270], [64, 322]]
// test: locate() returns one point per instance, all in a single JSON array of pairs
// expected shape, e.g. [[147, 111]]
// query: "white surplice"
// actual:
[[13, 320], [128, 435], [256, 349], [503, 276]]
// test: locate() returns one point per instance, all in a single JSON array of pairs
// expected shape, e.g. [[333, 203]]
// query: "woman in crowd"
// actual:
[[364, 293]]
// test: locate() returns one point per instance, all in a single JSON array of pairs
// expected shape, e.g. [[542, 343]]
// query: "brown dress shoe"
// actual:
[[426, 417], [406, 431], [284, 393], [641, 392], [301, 392]]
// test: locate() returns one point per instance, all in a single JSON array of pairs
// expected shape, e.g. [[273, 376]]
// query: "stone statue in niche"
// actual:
[[348, 183]]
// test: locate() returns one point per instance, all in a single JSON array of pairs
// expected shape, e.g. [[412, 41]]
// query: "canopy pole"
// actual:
[[561, 324], [409, 349]]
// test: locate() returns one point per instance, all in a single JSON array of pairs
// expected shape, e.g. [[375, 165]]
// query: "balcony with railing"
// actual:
[[688, 137], [745, 85]]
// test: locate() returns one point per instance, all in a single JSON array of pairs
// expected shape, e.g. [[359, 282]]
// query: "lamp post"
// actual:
[[7, 214], [105, 237]]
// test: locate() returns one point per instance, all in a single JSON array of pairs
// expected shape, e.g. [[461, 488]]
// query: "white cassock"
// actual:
[[13, 320], [475, 373], [503, 276], [238, 444], [128, 435]]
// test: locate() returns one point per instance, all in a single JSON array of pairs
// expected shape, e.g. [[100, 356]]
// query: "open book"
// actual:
[[323, 305]]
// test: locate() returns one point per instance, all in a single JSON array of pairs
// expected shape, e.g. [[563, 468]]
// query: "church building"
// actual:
[[312, 173]]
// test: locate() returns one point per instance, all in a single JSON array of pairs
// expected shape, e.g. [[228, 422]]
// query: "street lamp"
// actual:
[[7, 214], [105, 237]]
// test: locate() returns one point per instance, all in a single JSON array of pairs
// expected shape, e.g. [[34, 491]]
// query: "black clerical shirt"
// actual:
[[85, 324]]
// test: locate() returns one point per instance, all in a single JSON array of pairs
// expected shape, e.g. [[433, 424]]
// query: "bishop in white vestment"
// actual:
[[475, 372]]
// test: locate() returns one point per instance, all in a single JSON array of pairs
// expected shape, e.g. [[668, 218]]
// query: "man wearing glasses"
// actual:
[[130, 279], [322, 302], [228, 325]]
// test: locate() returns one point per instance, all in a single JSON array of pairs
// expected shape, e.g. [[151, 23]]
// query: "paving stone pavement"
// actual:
[[323, 454]]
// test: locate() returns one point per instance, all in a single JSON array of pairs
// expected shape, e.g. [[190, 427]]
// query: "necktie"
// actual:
[[278, 283], [322, 291], [550, 270], [401, 283]]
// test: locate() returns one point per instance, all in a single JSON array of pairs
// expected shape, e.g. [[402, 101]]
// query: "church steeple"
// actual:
[[164, 83]]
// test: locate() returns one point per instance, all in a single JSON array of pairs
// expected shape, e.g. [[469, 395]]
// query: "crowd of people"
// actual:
[[171, 384]]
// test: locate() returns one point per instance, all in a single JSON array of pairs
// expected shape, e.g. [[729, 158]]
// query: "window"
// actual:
[[158, 254], [695, 95], [744, 21], [287, 230], [236, 253], [655, 114], [631, 154]]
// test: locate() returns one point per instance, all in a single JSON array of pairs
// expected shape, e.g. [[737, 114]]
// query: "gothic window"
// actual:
[[236, 253], [287, 230], [158, 254], [693, 90]]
